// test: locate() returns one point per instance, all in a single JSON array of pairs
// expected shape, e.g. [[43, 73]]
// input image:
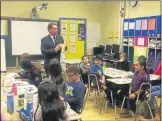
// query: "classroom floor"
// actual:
[[91, 111]]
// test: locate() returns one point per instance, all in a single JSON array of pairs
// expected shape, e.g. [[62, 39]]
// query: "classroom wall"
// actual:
[[143, 8], [104, 12], [110, 21], [74, 9], [111, 16]]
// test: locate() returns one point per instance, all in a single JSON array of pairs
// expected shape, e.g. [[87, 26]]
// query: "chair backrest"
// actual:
[[85, 95], [93, 77], [108, 49], [146, 87], [115, 48], [103, 48]]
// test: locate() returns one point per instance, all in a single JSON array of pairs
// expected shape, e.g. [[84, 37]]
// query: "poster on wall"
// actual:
[[81, 32], [63, 26], [73, 27]]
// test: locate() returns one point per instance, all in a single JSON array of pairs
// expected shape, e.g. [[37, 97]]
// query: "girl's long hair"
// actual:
[[52, 107], [55, 71]]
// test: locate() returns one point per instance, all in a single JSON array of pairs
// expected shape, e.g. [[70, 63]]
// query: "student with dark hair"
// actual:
[[142, 57], [123, 63], [140, 76], [56, 75], [85, 69], [29, 71], [75, 89], [98, 70], [50, 106]]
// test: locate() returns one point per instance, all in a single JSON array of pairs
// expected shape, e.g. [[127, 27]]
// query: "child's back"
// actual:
[[75, 91], [75, 95]]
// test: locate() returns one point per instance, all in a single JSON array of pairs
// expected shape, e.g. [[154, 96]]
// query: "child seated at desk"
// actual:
[[98, 70], [56, 75], [29, 71], [85, 68], [140, 76], [74, 94], [50, 106], [123, 63]]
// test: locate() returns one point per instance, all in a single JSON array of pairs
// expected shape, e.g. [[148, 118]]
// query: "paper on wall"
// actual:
[[138, 24], [140, 51], [125, 25], [144, 24], [72, 48], [140, 41], [63, 26], [72, 38], [131, 25], [72, 27]]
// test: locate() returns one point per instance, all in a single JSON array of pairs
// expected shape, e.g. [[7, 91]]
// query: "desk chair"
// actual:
[[138, 102], [96, 88], [105, 102], [103, 48], [108, 50]]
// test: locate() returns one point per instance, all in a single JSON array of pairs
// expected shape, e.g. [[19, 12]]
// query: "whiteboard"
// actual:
[[93, 31], [26, 36], [3, 55]]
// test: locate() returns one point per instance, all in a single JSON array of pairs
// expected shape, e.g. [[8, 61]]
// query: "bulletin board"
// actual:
[[140, 47], [73, 31]]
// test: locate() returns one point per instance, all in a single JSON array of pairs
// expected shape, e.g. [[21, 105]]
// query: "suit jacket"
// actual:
[[48, 48]]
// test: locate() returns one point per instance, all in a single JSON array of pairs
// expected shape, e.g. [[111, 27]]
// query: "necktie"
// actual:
[[54, 39]]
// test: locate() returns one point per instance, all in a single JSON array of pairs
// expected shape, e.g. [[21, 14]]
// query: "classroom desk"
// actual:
[[120, 81], [5, 88], [115, 73]]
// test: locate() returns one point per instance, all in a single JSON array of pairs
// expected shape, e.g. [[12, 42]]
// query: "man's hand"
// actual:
[[58, 47]]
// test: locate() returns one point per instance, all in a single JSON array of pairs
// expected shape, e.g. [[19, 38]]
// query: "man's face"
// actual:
[[54, 30]]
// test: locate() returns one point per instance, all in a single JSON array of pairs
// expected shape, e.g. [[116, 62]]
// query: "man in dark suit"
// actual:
[[51, 45]]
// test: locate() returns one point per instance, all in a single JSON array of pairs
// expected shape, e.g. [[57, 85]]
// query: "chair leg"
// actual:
[[85, 99], [150, 111], [115, 107], [103, 104], [112, 98], [135, 116], [123, 103]]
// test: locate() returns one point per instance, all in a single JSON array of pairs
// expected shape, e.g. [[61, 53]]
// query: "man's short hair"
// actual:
[[50, 25], [74, 69]]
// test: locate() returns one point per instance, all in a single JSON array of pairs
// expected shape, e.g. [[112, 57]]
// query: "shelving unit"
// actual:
[[154, 46], [154, 35]]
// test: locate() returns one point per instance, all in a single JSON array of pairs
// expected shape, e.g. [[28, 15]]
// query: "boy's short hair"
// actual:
[[74, 69], [84, 56], [98, 57], [25, 56]]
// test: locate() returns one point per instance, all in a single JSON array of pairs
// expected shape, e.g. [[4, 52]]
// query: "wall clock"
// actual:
[[133, 3]]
